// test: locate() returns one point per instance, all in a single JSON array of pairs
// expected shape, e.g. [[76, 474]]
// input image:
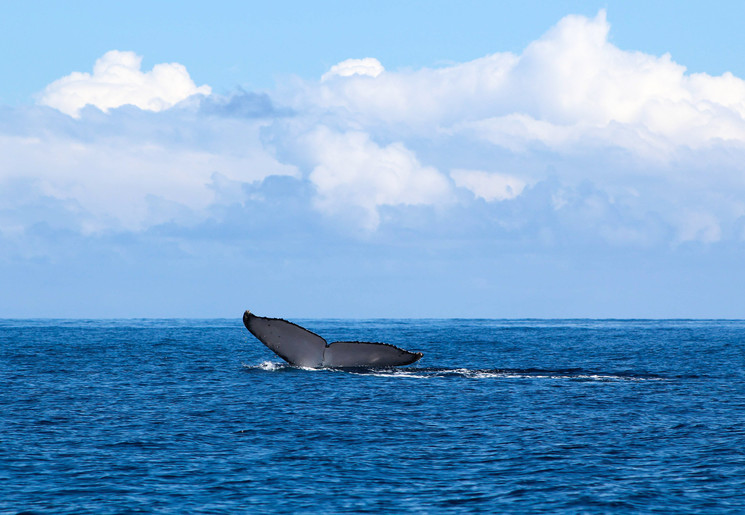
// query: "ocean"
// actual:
[[505, 416]]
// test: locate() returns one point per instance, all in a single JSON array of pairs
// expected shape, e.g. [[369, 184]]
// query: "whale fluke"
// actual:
[[300, 347]]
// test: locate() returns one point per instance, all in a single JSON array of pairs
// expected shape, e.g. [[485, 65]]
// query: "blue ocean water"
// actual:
[[196, 416]]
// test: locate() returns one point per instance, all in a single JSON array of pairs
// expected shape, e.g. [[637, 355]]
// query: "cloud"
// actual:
[[367, 67], [488, 186], [240, 105], [570, 109], [618, 146], [353, 172], [116, 81], [125, 180], [566, 87]]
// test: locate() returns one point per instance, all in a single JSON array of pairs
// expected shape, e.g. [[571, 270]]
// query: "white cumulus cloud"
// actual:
[[352, 171], [571, 112], [117, 80], [567, 87], [367, 67]]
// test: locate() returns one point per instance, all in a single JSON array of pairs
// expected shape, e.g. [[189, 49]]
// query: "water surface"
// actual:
[[196, 416]]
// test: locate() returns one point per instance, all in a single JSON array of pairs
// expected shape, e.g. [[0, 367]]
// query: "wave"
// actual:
[[576, 374], [529, 373]]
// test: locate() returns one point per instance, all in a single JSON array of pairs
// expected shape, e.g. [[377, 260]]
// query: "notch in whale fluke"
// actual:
[[300, 347]]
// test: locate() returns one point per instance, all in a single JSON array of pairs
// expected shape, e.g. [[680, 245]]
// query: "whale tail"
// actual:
[[300, 347]]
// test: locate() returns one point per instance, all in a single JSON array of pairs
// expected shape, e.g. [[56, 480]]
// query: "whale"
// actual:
[[303, 348]]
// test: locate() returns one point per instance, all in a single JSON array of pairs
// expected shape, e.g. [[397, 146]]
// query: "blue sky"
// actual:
[[490, 159]]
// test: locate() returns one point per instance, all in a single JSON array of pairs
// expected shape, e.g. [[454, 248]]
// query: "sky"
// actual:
[[379, 159]]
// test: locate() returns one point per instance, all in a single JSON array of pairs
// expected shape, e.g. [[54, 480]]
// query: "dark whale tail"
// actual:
[[300, 347]]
